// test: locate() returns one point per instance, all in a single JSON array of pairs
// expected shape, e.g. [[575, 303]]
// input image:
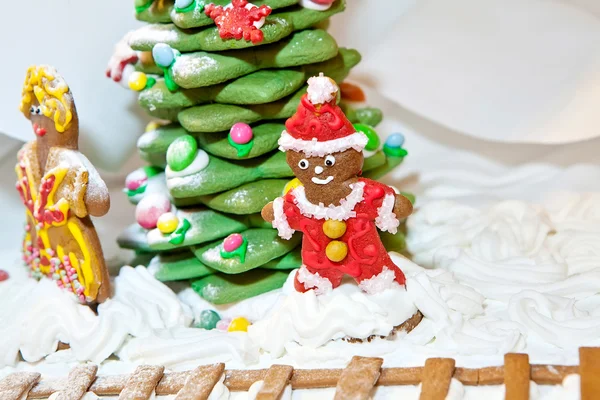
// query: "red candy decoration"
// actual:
[[237, 21], [3, 275]]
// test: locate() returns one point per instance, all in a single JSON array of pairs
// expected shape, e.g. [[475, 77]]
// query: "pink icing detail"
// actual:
[[136, 179], [223, 324], [150, 208], [241, 133], [232, 242], [3, 275]]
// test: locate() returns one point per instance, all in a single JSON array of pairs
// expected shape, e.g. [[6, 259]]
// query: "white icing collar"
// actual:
[[341, 213]]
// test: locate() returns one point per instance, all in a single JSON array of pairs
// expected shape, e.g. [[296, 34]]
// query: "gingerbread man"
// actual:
[[60, 190], [337, 210]]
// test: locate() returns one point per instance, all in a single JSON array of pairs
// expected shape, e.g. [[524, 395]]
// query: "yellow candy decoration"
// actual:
[[137, 81], [239, 324], [167, 223], [336, 251], [152, 126], [334, 229], [293, 184]]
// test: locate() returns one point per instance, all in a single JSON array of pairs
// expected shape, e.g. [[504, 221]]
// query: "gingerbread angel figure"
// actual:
[[60, 190], [337, 210]]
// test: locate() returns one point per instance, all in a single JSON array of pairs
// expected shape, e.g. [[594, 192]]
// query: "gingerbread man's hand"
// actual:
[[267, 213], [403, 207]]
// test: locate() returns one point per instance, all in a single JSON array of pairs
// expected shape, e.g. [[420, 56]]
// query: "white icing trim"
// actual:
[[386, 279], [280, 221], [321, 89], [311, 5], [314, 281], [356, 141], [340, 213], [386, 219]]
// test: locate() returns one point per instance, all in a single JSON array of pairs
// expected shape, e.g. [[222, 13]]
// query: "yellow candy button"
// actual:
[[293, 184], [336, 251], [167, 223], [239, 324], [137, 81], [334, 229]]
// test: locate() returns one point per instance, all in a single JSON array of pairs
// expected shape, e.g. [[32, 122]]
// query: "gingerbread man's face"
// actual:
[[327, 171], [41, 124]]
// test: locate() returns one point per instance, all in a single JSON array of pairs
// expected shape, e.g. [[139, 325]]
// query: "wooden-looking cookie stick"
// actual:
[[142, 383], [516, 376], [275, 381], [589, 369], [79, 380], [17, 384], [437, 375], [358, 378], [201, 382]]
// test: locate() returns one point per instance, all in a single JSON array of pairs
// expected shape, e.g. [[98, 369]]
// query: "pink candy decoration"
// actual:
[[150, 208], [223, 324], [136, 179], [232, 242], [241, 133], [324, 2], [3, 275]]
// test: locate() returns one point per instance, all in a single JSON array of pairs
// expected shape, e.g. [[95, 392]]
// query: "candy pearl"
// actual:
[[395, 140], [181, 152], [334, 229], [167, 223], [232, 242], [3, 275], [163, 55], [137, 81], [223, 324], [241, 133], [208, 320], [183, 3], [239, 324], [136, 179], [150, 208], [336, 251]]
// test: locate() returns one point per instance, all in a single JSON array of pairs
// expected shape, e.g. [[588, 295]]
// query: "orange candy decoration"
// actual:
[[351, 92]]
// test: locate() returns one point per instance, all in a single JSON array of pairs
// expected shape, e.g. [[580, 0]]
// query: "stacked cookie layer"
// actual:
[[215, 164]]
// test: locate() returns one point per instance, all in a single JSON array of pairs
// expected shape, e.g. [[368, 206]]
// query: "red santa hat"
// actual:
[[319, 126]]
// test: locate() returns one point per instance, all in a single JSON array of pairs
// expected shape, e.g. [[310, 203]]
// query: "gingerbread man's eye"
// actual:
[[32, 110], [330, 160], [38, 111], [303, 164]]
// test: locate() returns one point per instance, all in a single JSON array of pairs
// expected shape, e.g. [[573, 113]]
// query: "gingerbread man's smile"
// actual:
[[322, 181]]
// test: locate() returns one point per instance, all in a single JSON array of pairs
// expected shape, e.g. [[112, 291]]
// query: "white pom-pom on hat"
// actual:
[[321, 89]]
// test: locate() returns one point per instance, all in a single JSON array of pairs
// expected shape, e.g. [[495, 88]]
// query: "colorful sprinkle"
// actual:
[[336, 250], [136, 180], [352, 92], [291, 185], [163, 55], [150, 208], [167, 223], [138, 81], [334, 229], [393, 146], [223, 324], [209, 320], [395, 140], [239, 249], [241, 133], [374, 142], [233, 242], [182, 152], [239, 324], [3, 275]]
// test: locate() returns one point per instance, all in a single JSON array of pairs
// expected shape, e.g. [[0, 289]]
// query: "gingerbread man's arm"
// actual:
[[402, 207], [267, 213]]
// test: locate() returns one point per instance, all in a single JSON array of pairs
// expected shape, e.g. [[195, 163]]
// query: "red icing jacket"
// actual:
[[370, 205]]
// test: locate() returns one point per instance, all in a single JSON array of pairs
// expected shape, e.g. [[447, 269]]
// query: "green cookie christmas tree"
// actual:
[[227, 76]]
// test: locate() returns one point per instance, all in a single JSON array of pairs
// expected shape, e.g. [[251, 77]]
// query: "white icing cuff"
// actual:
[[386, 219], [321, 89], [378, 283], [339, 213], [314, 281], [280, 221], [311, 148]]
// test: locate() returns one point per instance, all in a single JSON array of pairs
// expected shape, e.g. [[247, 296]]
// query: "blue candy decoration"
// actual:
[[395, 140], [163, 55], [180, 4]]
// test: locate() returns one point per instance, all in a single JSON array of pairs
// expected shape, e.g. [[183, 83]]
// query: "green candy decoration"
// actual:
[[374, 142], [181, 152], [194, 5], [141, 5], [243, 149], [208, 320], [178, 236]]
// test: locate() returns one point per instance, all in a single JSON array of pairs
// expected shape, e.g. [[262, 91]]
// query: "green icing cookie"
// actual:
[[197, 18], [158, 12], [246, 199], [369, 115], [225, 289], [303, 17], [394, 242], [221, 117], [291, 260], [175, 267], [375, 161], [159, 140], [221, 175], [265, 140], [338, 67], [264, 245], [193, 70], [381, 170], [206, 225], [257, 88], [208, 39], [134, 238]]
